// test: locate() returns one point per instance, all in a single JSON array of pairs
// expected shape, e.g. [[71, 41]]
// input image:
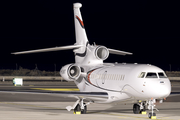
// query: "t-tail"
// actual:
[[84, 53], [81, 37]]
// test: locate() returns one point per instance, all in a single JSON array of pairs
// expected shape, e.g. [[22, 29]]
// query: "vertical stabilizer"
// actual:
[[81, 37]]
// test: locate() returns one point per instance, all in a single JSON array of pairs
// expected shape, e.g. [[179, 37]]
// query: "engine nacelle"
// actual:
[[101, 52], [70, 72]]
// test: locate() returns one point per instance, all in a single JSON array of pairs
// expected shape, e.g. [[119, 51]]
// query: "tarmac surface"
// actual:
[[45, 107]]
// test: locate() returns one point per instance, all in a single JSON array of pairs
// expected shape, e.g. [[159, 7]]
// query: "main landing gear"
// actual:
[[79, 107], [140, 108], [78, 110]]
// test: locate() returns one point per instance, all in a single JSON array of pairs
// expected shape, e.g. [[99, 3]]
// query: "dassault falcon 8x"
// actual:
[[100, 82]]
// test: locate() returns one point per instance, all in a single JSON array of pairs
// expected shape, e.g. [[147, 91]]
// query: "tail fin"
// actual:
[[81, 37]]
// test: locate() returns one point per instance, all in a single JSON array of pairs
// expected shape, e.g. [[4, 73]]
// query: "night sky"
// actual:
[[148, 29]]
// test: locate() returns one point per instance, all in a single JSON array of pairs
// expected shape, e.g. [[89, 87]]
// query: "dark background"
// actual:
[[148, 29]]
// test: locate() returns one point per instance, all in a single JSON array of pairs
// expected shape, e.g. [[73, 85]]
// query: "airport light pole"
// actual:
[[170, 67], [16, 66], [55, 69]]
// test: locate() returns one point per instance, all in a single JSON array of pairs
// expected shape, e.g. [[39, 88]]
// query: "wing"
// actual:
[[174, 94], [92, 96]]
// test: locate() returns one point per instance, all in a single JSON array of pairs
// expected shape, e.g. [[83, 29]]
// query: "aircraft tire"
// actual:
[[136, 109], [77, 108], [151, 114]]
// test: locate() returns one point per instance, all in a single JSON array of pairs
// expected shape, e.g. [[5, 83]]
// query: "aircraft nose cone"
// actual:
[[164, 90], [160, 89]]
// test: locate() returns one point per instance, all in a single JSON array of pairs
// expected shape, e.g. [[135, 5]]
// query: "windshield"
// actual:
[[142, 75], [151, 75], [162, 75]]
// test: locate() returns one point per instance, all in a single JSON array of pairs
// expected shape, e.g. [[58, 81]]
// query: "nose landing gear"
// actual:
[[151, 106], [140, 108]]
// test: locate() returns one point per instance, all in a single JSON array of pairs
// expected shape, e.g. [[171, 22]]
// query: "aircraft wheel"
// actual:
[[150, 115], [83, 111], [77, 109], [136, 109]]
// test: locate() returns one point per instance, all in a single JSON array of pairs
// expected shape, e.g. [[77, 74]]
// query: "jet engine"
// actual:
[[70, 72], [101, 53]]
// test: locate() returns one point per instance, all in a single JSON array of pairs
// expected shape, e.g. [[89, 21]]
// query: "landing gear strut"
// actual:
[[151, 106], [83, 111]]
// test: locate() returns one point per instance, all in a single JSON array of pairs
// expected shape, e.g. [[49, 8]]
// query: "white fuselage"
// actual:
[[124, 81]]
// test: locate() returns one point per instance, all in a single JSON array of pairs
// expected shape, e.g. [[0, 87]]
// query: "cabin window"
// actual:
[[113, 76], [162, 75], [123, 77], [142, 74], [119, 77], [151, 75]]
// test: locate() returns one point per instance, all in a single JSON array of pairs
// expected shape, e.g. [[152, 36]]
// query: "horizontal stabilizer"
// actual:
[[118, 52], [49, 49]]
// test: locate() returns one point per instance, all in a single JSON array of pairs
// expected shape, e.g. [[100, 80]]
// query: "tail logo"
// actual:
[[80, 21]]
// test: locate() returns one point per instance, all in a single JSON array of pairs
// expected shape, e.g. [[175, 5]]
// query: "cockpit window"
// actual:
[[142, 75], [162, 75], [151, 75]]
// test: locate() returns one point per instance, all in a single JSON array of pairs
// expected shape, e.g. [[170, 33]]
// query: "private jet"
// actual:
[[99, 82]]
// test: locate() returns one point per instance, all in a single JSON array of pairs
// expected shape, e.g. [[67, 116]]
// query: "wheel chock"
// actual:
[[143, 112], [77, 112], [153, 117]]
